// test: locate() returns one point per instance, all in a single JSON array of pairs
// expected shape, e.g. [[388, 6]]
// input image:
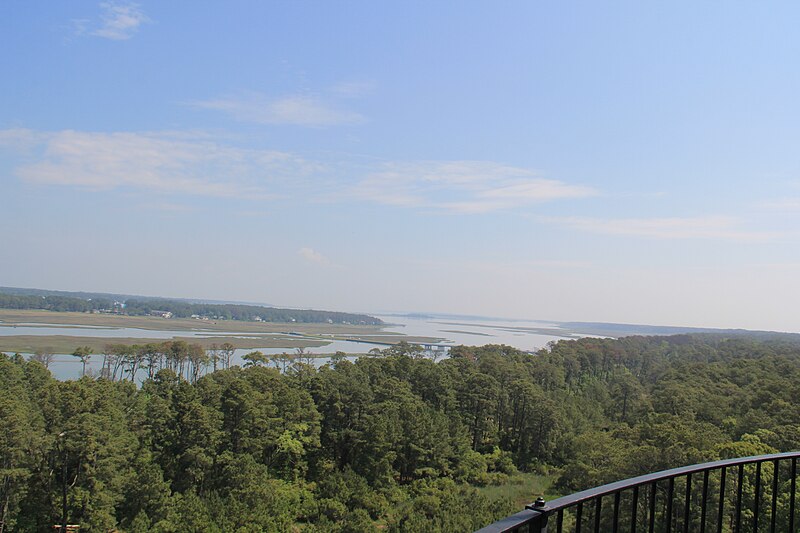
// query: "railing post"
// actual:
[[540, 505], [792, 494]]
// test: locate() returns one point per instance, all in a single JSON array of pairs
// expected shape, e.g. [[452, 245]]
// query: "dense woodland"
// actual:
[[395, 442], [53, 303], [181, 309], [177, 308]]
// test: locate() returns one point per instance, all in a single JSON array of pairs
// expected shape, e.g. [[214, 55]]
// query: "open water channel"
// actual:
[[524, 335]]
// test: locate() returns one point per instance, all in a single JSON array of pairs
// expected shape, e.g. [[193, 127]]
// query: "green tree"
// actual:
[[84, 353], [21, 439], [255, 359]]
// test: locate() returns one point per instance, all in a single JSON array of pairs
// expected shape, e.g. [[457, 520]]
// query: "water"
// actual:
[[524, 335], [119, 333], [65, 366]]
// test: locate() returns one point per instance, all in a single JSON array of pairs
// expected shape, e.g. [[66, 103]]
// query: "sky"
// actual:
[[591, 161]]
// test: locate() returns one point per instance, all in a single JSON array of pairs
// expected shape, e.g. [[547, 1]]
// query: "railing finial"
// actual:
[[539, 503]]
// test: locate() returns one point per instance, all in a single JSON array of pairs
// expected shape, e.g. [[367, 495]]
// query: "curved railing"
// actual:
[[733, 495]]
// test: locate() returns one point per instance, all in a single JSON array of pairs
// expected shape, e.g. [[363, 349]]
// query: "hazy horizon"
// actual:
[[622, 163], [412, 313]]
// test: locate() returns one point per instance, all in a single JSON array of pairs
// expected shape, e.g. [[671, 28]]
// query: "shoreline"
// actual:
[[242, 334]]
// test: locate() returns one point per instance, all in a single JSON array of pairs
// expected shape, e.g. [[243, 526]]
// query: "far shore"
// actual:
[[13, 316], [259, 334]]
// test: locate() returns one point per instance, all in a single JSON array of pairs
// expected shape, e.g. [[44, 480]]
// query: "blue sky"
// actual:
[[625, 161]]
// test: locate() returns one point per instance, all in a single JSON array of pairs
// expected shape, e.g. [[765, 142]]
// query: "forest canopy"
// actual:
[[394, 442]]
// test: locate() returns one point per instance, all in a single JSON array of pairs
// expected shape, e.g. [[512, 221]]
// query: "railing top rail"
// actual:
[[540, 511], [510, 523], [611, 488]]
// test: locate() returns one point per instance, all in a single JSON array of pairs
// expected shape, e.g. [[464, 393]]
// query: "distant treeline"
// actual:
[[53, 303], [627, 330], [179, 309], [27, 291]]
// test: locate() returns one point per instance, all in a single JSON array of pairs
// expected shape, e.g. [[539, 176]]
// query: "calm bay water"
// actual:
[[112, 333], [524, 335], [521, 334]]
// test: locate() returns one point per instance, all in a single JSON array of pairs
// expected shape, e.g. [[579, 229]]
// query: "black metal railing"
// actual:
[[733, 495]]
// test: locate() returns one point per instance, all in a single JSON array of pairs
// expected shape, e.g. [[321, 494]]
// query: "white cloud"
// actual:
[[783, 205], [352, 89], [705, 227], [538, 190], [193, 163], [20, 139], [298, 110], [166, 207], [500, 268], [167, 162], [462, 186], [119, 21], [312, 256]]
